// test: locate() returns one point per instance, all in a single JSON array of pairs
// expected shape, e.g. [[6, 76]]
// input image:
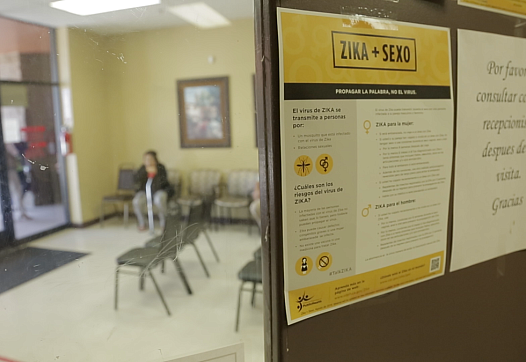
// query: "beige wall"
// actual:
[[143, 92], [92, 138], [125, 101]]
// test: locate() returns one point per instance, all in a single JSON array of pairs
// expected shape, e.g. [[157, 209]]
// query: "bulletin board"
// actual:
[[474, 314]]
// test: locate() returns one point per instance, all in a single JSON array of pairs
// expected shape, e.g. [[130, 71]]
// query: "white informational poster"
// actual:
[[366, 149], [515, 8], [490, 169]]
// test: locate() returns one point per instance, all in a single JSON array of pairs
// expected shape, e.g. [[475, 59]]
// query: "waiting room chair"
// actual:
[[124, 194], [175, 179], [250, 273], [195, 225], [202, 185], [236, 193], [190, 232], [145, 259]]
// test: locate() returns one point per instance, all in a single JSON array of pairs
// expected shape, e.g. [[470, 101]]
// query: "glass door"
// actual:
[[32, 158], [33, 182]]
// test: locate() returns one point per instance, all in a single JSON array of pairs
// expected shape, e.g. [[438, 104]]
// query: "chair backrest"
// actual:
[[175, 179], [241, 182], [171, 238], [174, 176], [126, 180], [203, 182], [195, 222]]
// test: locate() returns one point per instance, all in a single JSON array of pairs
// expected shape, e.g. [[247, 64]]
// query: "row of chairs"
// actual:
[[156, 251], [168, 246], [250, 273], [203, 184]]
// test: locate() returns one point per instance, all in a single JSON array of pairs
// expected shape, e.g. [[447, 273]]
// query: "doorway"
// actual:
[[35, 197]]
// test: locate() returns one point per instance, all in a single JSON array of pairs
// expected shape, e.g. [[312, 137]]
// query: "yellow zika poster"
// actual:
[[490, 191], [366, 150], [506, 7]]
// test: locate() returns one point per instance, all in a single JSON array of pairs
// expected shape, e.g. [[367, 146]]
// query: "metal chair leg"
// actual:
[[182, 275], [201, 259], [239, 305], [142, 277], [159, 292], [211, 245], [162, 266], [116, 287], [218, 217], [254, 295], [249, 221]]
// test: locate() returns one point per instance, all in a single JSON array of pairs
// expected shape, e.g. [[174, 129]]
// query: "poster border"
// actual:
[[280, 11]]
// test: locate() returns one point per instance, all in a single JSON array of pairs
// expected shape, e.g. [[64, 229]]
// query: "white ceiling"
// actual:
[[150, 17]]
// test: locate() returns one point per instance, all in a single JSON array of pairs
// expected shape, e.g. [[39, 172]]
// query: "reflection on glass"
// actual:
[[24, 52], [31, 156]]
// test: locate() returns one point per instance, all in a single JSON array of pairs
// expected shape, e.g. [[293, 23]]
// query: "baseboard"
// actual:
[[93, 222], [215, 220], [28, 239], [225, 221]]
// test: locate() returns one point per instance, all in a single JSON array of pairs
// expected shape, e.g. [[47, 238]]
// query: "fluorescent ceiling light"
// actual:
[[90, 7], [199, 14]]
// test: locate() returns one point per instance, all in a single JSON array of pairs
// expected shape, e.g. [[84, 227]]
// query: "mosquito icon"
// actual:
[[303, 166]]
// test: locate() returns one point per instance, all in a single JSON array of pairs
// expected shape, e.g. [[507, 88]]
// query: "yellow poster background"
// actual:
[[305, 301], [308, 51]]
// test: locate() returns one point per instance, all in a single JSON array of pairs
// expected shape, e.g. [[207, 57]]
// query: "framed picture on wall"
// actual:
[[204, 118]]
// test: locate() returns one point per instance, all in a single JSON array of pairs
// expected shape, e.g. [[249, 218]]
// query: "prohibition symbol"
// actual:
[[324, 261], [303, 166], [324, 164]]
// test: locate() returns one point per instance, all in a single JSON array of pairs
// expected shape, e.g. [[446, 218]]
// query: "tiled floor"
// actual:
[[68, 315]]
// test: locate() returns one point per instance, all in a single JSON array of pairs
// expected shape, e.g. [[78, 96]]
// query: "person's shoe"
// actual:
[[26, 217], [142, 228]]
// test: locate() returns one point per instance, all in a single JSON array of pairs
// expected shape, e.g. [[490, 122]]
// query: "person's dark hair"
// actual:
[[153, 154]]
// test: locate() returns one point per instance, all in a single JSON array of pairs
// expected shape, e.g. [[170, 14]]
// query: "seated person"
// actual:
[[161, 188]]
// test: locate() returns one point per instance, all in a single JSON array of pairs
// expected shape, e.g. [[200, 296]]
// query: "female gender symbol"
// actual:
[[367, 126]]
